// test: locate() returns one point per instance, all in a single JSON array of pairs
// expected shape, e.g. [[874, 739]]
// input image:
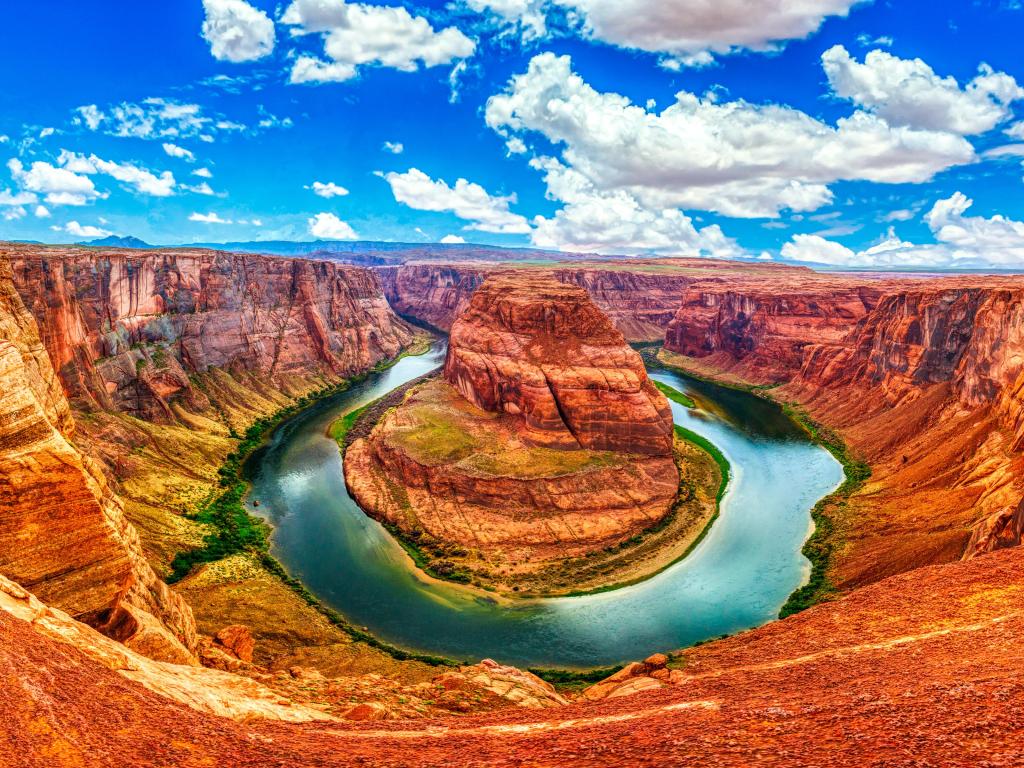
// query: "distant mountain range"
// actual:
[[364, 252], [113, 241]]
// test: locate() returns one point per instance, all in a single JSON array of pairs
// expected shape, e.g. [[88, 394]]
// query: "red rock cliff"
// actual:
[[529, 345], [125, 329], [641, 297], [62, 529], [923, 377]]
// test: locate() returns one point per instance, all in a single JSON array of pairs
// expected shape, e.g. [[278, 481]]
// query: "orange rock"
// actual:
[[238, 639], [531, 346]]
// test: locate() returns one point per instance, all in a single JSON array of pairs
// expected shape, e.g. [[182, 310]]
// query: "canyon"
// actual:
[[127, 378], [543, 440]]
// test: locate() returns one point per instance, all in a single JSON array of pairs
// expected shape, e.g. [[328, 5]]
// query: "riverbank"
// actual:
[[237, 548], [826, 537], [703, 476]]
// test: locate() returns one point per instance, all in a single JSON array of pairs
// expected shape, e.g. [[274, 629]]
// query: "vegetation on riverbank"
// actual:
[[234, 531], [820, 547], [675, 395]]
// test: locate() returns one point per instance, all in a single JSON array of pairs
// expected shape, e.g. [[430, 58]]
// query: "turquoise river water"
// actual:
[[738, 577]]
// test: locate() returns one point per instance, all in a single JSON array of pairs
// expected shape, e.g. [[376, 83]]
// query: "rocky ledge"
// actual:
[[544, 441]]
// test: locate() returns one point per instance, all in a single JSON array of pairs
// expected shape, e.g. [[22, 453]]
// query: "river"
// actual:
[[738, 576]]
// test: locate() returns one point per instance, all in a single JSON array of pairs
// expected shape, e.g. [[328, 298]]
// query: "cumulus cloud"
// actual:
[[58, 186], [467, 200], [614, 221], [908, 92], [141, 180], [327, 226], [961, 241], [327, 189], [42, 212], [683, 27], [208, 218], [736, 158], [173, 150], [17, 198], [394, 147], [357, 35], [453, 240], [79, 230], [236, 31], [203, 173]]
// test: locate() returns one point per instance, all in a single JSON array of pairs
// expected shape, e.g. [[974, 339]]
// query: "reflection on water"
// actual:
[[738, 577]]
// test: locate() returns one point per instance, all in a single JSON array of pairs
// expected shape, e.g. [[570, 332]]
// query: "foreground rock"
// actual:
[[544, 440], [932, 679], [63, 533]]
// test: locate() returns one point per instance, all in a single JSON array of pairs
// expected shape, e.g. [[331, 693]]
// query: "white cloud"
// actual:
[[866, 41], [616, 222], [175, 151], [42, 212], [13, 214], [327, 226], [200, 189], [91, 115], [143, 181], [78, 230], [526, 17], [685, 27], [961, 241], [327, 189], [1016, 130], [203, 173], [59, 186], [47, 132], [155, 118], [452, 240], [908, 92], [4, 138], [358, 35], [394, 147], [466, 200], [17, 198], [236, 31], [209, 218], [736, 158]]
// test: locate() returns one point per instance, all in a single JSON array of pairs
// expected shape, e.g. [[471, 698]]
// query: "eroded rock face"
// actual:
[[530, 346], [923, 377], [62, 529], [544, 440], [126, 329]]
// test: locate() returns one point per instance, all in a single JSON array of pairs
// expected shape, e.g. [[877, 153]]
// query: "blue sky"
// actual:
[[864, 133]]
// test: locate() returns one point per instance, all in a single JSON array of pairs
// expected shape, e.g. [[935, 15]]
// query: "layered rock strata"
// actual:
[[532, 347], [640, 296], [126, 330], [922, 376], [63, 533], [544, 440]]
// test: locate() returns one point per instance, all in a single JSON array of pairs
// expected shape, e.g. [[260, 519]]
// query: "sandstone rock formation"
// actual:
[[532, 347], [922, 377], [62, 529], [640, 297], [932, 678], [545, 440], [125, 329]]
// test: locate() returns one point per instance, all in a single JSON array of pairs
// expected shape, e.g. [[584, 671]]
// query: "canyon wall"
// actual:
[[641, 297], [126, 330], [63, 533], [923, 377]]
